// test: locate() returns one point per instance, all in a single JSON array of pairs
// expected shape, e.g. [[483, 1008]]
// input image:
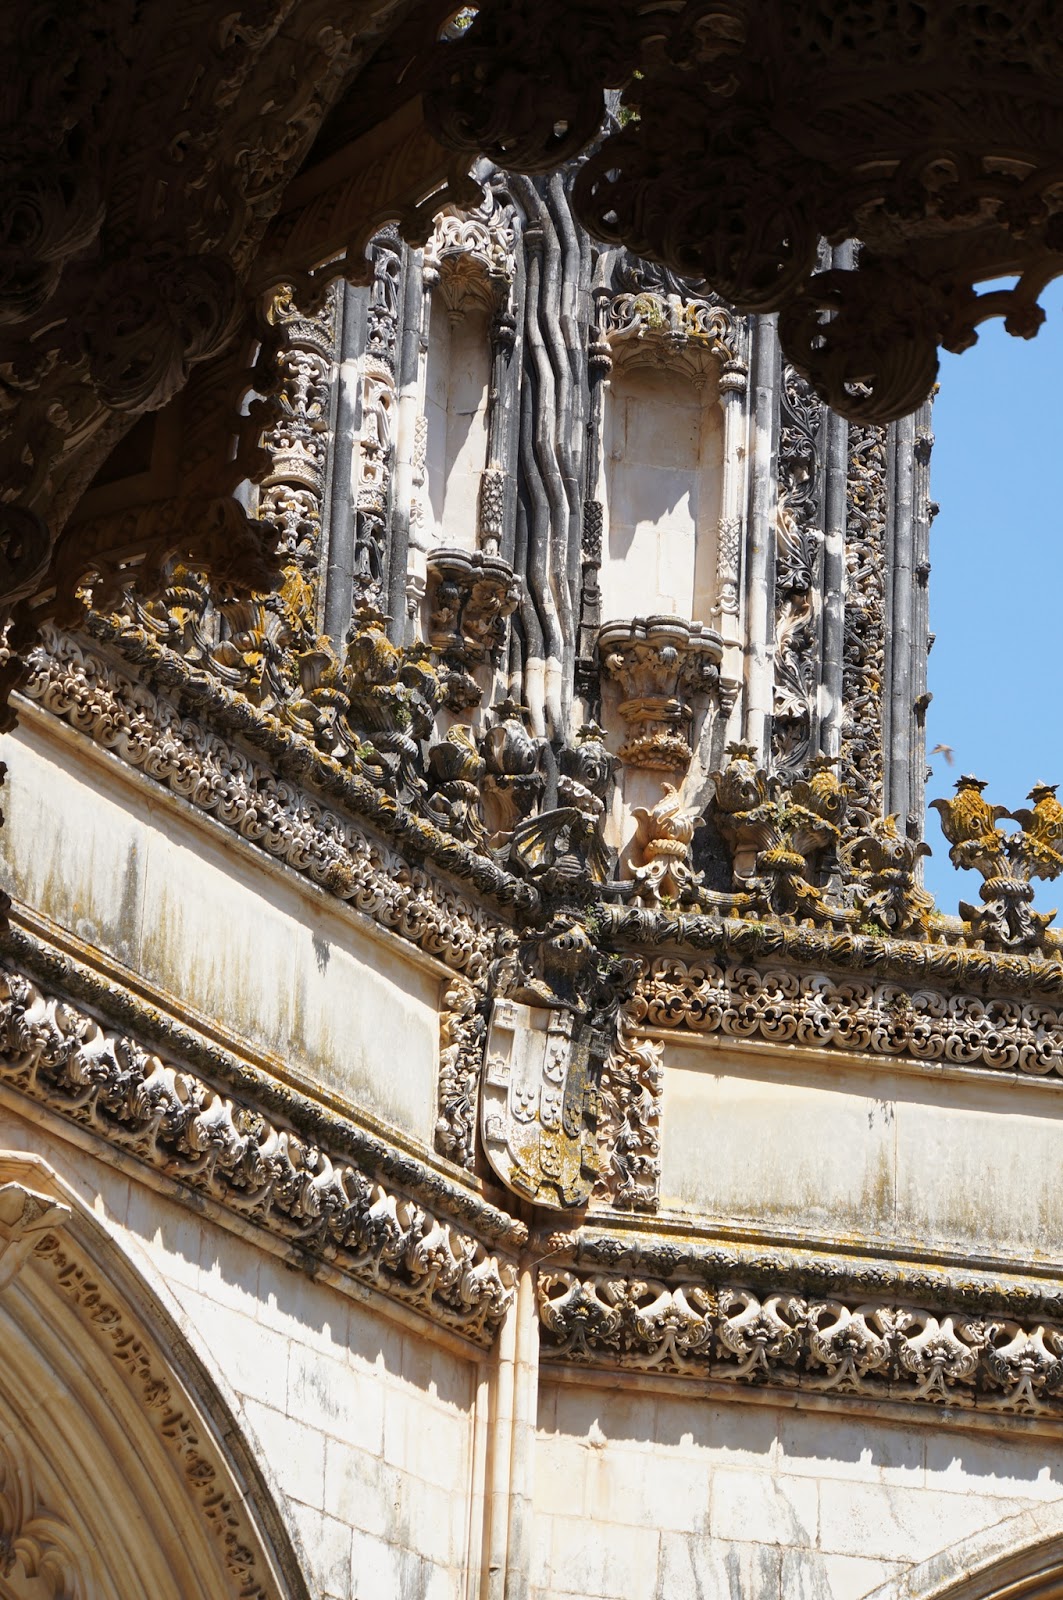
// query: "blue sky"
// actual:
[[996, 585]]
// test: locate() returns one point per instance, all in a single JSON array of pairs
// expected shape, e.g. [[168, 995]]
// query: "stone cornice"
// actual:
[[270, 803], [944, 1285], [323, 1187], [956, 967], [840, 1346]]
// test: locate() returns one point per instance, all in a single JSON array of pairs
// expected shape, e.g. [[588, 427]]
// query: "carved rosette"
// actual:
[[663, 666]]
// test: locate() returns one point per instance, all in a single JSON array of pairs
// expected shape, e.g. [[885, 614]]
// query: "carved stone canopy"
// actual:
[[749, 131], [661, 664]]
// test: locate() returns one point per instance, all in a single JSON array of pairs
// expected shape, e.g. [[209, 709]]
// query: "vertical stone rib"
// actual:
[[760, 571], [405, 443], [339, 578]]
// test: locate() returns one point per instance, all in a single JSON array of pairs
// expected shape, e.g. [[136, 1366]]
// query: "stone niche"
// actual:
[[662, 470], [456, 399]]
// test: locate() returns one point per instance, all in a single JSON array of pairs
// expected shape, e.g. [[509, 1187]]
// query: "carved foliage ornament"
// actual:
[[810, 1009], [269, 1174], [149, 733], [881, 1351], [1008, 862], [930, 132]]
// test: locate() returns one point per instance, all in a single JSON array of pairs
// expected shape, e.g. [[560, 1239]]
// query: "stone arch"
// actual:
[[123, 1474], [1020, 1558]]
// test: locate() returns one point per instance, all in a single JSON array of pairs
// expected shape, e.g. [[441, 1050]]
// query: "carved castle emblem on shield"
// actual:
[[539, 1103]]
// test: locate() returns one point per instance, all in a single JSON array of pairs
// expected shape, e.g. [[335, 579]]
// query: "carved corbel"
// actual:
[[25, 1216], [662, 666], [664, 837]]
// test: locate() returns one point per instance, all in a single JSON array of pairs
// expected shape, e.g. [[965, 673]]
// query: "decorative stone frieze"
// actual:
[[662, 666], [1008, 862], [795, 1342], [818, 1011], [169, 1116], [948, 963]]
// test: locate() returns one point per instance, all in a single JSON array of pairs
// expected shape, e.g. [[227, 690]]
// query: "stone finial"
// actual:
[[1008, 862], [784, 836], [455, 772], [514, 780], [585, 771], [662, 665], [886, 891]]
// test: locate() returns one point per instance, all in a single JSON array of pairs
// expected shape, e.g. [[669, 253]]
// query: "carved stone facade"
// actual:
[[479, 986]]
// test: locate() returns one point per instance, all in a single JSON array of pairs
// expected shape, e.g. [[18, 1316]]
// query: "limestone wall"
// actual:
[[220, 932], [838, 1151], [691, 1497], [364, 1426]]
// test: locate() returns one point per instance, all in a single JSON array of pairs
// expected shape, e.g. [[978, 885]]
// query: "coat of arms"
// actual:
[[539, 1103]]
